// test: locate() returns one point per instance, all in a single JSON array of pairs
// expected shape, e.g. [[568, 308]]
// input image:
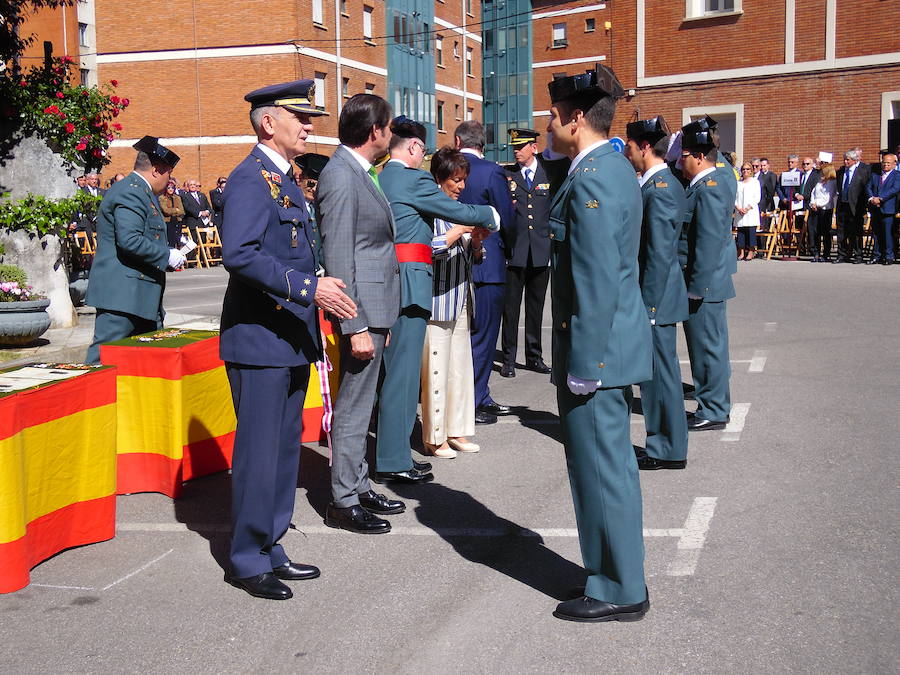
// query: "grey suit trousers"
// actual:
[[352, 414]]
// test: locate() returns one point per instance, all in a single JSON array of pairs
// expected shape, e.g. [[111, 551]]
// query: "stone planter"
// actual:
[[78, 288], [23, 322]]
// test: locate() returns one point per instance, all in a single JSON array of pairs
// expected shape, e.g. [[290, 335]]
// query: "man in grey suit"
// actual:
[[357, 231]]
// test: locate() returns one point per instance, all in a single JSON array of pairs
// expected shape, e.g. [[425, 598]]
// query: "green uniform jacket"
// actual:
[[706, 249], [600, 326], [662, 283], [416, 200], [129, 270]]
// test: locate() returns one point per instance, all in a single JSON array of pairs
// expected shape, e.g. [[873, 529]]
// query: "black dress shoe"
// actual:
[[484, 418], [424, 467], [873, 261], [376, 503], [494, 408], [507, 370], [647, 463], [838, 260], [355, 519], [409, 476], [261, 586], [695, 423], [856, 261], [588, 609], [292, 571], [538, 366]]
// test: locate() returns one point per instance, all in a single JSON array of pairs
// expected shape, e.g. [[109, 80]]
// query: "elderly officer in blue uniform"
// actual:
[[528, 265], [128, 276], [664, 293], [270, 335], [416, 200], [706, 254], [601, 344]]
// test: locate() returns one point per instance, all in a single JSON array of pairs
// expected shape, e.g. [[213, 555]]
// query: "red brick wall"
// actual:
[[47, 24], [867, 27], [809, 30]]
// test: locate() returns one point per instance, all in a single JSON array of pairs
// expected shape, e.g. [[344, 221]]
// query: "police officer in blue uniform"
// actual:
[[664, 293], [270, 335], [706, 254], [128, 276], [601, 344], [528, 264]]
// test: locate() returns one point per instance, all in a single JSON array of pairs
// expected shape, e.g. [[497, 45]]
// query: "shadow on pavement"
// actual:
[[512, 550], [315, 478], [204, 507], [543, 421]]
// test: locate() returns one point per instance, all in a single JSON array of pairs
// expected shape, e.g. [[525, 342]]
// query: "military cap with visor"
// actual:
[[404, 127], [601, 82], [156, 152], [699, 133], [297, 96], [520, 137], [312, 164], [651, 130]]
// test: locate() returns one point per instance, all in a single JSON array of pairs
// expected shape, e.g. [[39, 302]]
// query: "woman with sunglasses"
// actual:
[[746, 212]]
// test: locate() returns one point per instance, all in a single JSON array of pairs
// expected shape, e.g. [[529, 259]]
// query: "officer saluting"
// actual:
[[527, 265], [270, 334], [663, 290], [706, 253], [601, 343], [128, 276]]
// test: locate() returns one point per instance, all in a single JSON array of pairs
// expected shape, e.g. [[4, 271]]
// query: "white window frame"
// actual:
[[439, 116], [696, 9], [888, 98], [456, 49], [83, 34], [736, 109], [470, 65], [439, 50], [593, 27], [367, 21], [370, 88], [318, 13], [320, 90], [558, 35]]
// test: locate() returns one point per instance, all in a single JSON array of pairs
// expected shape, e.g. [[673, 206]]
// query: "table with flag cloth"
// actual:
[[175, 413], [57, 463]]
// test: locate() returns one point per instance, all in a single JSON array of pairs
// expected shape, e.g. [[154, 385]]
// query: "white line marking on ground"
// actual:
[[686, 362], [733, 429], [771, 326], [68, 588], [195, 306], [138, 570], [758, 362], [174, 289], [173, 527], [691, 542], [542, 422]]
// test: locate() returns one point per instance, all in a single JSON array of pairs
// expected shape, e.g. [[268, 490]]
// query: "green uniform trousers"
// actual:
[[606, 491], [662, 399], [706, 334], [110, 326]]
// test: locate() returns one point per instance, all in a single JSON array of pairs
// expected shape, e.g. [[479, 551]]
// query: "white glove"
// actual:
[[692, 296], [581, 387], [496, 227], [176, 259]]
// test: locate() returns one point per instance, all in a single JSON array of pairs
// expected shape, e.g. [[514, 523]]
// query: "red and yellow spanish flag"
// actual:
[[57, 471]]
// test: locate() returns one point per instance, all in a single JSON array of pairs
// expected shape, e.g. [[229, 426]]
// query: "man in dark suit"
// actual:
[[87, 220], [663, 291], [706, 255], [217, 199], [270, 335], [486, 185], [809, 176], [528, 264], [601, 344], [128, 275], [197, 211], [768, 185], [882, 192], [358, 246], [852, 179]]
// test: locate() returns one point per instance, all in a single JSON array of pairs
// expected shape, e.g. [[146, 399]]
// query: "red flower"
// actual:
[[115, 99], [59, 94], [62, 115], [68, 59], [51, 109], [85, 92], [115, 112], [23, 83], [114, 83], [70, 128], [81, 146], [97, 152], [125, 102], [110, 137], [117, 126]]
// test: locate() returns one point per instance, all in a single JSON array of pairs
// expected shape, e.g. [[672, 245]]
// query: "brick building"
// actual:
[[185, 67], [779, 75]]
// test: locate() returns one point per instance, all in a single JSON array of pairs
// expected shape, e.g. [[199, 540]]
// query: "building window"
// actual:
[[85, 77], [589, 25], [456, 49], [730, 120], [439, 50], [559, 35], [367, 22], [456, 111], [469, 61], [890, 120], [469, 113], [320, 90], [317, 14], [370, 88], [345, 87], [440, 115], [344, 8], [696, 9], [82, 34], [469, 7]]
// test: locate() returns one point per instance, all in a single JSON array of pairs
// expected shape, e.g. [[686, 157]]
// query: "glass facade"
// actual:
[[410, 61], [506, 39]]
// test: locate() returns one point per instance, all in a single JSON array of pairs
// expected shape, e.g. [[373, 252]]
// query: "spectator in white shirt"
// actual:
[[746, 212]]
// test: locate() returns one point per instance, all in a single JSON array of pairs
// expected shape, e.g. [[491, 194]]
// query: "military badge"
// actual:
[[287, 202], [543, 186], [662, 185], [592, 204], [274, 190], [276, 178], [512, 185], [711, 183]]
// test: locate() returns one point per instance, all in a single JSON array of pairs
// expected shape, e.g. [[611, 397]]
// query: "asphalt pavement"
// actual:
[[774, 551]]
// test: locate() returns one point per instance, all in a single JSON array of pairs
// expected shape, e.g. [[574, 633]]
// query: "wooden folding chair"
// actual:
[[197, 259], [84, 243], [210, 245], [766, 238]]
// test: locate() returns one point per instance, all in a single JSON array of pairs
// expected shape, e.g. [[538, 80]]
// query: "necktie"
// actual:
[[196, 196], [374, 175], [528, 177], [846, 183], [884, 177]]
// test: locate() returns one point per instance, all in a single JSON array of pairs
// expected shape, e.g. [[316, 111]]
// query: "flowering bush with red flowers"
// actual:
[[75, 121]]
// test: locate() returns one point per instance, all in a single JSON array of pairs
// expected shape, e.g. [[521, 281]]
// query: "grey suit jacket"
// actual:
[[357, 231]]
